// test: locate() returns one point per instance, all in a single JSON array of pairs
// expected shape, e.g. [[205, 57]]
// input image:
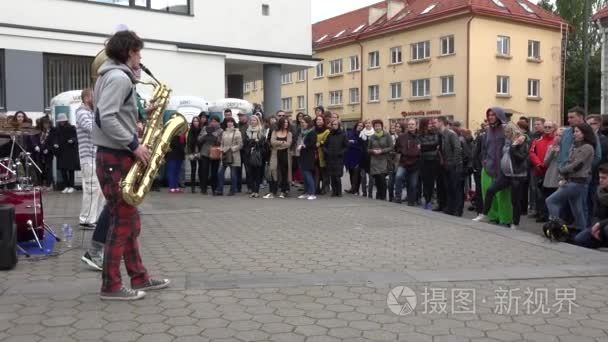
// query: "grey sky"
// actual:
[[324, 9]]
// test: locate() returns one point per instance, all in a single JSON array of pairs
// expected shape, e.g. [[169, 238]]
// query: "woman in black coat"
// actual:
[[334, 149], [65, 148], [192, 151], [308, 149]]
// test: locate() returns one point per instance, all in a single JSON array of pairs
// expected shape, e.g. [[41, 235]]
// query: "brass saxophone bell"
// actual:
[[100, 58]]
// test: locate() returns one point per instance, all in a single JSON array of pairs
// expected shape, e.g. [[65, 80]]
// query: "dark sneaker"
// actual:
[[153, 284], [124, 294], [92, 262]]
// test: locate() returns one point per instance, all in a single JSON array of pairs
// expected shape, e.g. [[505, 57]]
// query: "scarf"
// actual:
[[366, 133], [379, 134], [254, 132], [306, 131], [602, 195]]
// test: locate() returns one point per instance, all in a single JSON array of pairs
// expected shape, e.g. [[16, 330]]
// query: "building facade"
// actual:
[[420, 58], [199, 48], [601, 20]]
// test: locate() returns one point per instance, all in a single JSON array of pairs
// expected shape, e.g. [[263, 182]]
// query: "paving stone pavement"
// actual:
[[296, 270]]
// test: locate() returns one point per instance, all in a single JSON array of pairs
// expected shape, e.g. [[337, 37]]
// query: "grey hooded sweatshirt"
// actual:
[[115, 108]]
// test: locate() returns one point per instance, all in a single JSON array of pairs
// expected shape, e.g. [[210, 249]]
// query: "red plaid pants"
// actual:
[[125, 225]]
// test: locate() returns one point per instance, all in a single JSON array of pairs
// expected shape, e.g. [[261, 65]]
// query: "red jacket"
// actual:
[[537, 153]]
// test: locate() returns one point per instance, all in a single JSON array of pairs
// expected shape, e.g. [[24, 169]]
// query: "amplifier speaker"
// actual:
[[8, 237]]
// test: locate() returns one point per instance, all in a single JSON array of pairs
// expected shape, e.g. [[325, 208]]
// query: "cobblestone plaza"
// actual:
[[326, 270]]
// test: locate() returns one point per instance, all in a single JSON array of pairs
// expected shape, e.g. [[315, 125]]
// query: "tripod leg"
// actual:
[[35, 235], [52, 232], [27, 255]]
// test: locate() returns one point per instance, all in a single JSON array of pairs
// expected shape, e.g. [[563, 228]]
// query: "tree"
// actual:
[[547, 5], [573, 12]]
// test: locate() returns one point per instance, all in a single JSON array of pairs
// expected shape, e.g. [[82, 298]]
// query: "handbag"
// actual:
[[255, 157], [215, 153]]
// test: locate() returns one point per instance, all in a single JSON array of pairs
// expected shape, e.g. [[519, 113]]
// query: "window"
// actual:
[[170, 6], [354, 95], [320, 70], [321, 39], [447, 85], [335, 67], [358, 28], [318, 99], [247, 87], [395, 91], [335, 98], [373, 93], [301, 102], [354, 63], [447, 45], [503, 45], [421, 88], [255, 85], [533, 88], [265, 10], [339, 34], [421, 50], [2, 90], [63, 73], [396, 55], [286, 78], [428, 9], [286, 104], [533, 49], [502, 85], [374, 59], [525, 6], [301, 75], [498, 3]]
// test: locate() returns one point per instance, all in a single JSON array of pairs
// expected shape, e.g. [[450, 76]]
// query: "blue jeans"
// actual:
[[309, 182], [586, 239], [174, 168], [411, 177], [234, 175], [572, 195]]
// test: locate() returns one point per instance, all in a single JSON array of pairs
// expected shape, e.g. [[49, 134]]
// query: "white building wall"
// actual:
[[226, 23], [187, 73]]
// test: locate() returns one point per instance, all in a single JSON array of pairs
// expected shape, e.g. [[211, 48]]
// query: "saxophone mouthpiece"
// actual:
[[145, 69]]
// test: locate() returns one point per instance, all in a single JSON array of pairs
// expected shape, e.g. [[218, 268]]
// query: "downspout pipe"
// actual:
[[467, 115], [360, 78]]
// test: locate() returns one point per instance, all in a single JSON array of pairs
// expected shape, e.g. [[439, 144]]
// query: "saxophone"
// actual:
[[157, 138]]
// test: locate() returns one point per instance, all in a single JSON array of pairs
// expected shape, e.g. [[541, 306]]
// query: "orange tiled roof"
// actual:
[[353, 25], [601, 14]]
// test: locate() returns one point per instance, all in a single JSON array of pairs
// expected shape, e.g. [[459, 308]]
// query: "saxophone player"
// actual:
[[115, 134]]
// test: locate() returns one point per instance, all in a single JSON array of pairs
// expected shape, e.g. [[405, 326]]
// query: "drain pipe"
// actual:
[[361, 78], [468, 70]]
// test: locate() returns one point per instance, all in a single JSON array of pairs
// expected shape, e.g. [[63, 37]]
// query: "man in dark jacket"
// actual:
[[477, 167], [595, 121], [597, 235], [65, 148], [451, 153], [408, 147]]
